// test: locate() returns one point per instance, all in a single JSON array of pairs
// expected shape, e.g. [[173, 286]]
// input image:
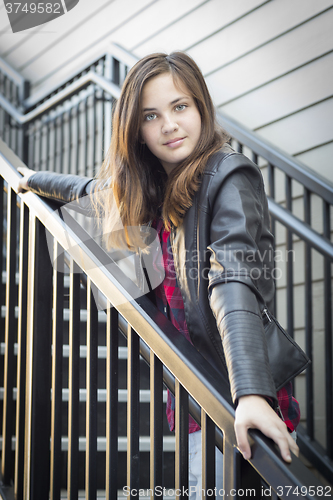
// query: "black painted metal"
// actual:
[[308, 321], [91, 404], [39, 348], [133, 414], [328, 336], [111, 403], [181, 433], [156, 419], [73, 383], [7, 464], [208, 454], [57, 367], [21, 353]]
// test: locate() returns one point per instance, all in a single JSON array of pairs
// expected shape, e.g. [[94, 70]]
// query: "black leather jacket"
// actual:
[[223, 258]]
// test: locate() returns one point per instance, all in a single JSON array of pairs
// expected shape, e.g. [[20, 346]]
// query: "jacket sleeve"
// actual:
[[60, 187], [238, 233]]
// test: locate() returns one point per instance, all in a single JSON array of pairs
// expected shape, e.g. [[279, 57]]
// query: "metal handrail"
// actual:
[[181, 358], [275, 156], [11, 73], [303, 230], [57, 99], [113, 50]]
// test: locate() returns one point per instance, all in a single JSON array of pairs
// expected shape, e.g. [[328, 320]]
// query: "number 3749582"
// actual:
[[33, 8]]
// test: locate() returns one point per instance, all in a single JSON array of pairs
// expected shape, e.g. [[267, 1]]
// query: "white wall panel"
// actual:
[[46, 60], [304, 130], [46, 35], [197, 25], [272, 60], [320, 160], [286, 95], [257, 28]]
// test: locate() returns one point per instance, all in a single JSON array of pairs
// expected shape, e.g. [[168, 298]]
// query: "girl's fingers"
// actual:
[[242, 440], [23, 182]]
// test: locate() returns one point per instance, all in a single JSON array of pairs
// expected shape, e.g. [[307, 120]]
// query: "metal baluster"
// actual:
[[55, 144], [271, 187], [133, 410], [9, 362], [38, 408], [239, 147], [21, 355], [41, 139], [69, 135], [208, 453], [32, 151], [62, 145], [156, 418], [328, 336], [86, 136], [94, 131], [2, 241], [111, 403], [181, 431], [91, 383], [290, 280], [78, 140], [73, 383], [308, 320], [57, 359], [47, 140]]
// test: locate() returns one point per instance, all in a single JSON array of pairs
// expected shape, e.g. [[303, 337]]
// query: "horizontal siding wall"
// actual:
[[267, 63]]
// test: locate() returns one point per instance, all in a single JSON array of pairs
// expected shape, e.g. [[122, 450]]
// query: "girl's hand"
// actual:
[[23, 182], [254, 412]]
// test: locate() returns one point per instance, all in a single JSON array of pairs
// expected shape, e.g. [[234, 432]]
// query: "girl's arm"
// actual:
[[239, 230], [61, 187]]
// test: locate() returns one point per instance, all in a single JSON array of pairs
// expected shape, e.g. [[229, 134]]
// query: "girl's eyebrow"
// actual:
[[172, 102]]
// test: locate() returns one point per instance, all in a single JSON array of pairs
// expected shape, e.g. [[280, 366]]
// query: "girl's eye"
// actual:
[[180, 107], [150, 117]]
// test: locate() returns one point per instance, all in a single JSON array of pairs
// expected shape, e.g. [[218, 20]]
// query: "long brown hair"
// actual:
[[138, 181]]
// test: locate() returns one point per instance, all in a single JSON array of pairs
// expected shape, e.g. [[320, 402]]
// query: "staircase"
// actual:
[[66, 129]]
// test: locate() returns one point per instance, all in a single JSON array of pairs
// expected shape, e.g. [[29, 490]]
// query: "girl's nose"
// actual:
[[169, 126]]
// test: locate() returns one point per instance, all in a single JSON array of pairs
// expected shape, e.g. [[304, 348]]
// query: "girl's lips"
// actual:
[[175, 142]]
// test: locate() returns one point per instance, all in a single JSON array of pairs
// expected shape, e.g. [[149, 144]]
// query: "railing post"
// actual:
[[73, 383], [10, 337], [156, 418], [111, 403], [133, 410], [208, 454], [57, 358], [38, 375], [91, 383], [21, 354], [181, 431]]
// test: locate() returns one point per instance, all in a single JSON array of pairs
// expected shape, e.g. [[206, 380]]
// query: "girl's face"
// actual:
[[170, 122]]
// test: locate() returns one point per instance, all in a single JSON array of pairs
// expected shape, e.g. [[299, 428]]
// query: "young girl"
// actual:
[[169, 166]]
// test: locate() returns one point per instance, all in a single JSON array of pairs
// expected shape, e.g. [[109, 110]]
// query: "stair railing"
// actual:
[[35, 471], [67, 129]]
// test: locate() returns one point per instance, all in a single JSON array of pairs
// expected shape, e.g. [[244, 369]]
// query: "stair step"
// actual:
[[101, 395], [102, 352], [168, 494], [169, 443]]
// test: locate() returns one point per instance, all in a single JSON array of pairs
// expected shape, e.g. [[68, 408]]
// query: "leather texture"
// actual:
[[223, 258]]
